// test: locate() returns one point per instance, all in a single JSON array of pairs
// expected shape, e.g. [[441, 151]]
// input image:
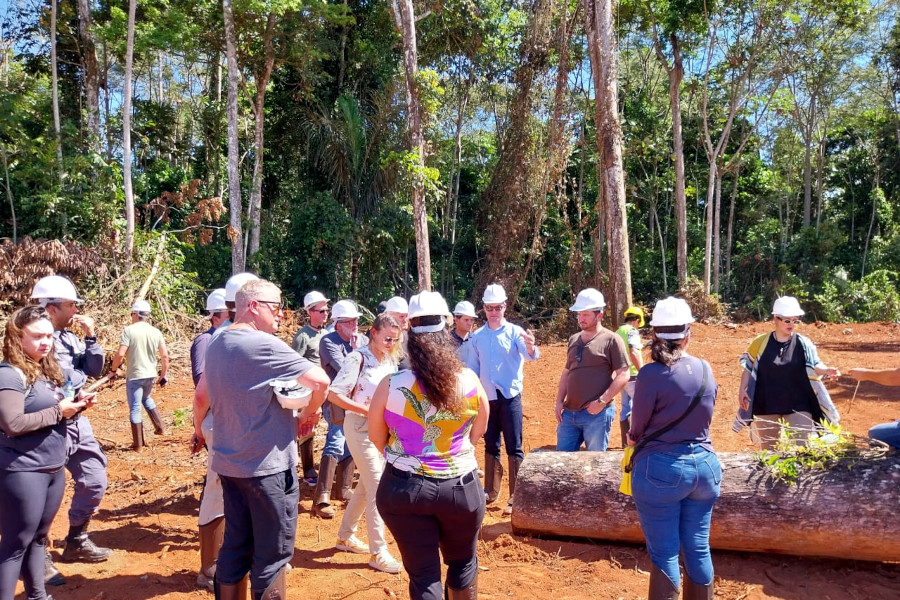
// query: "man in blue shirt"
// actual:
[[497, 354]]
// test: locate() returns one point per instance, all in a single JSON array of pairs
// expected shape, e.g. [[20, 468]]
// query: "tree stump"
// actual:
[[850, 511]]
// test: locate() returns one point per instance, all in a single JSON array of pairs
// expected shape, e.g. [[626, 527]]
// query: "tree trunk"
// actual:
[[407, 20], [820, 181], [126, 135], [717, 236], [849, 511], [610, 173], [91, 72], [807, 160], [676, 75], [729, 238], [710, 201], [9, 194], [54, 78], [234, 171], [262, 81]]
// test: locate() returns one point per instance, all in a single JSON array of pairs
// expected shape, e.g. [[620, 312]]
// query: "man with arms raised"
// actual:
[[255, 447]]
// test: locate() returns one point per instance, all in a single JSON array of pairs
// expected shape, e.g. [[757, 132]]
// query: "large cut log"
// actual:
[[849, 511]]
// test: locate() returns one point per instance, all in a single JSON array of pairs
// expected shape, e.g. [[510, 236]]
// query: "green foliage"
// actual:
[[873, 298], [181, 417]]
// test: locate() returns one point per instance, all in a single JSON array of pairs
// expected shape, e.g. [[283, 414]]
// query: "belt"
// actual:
[[72, 419], [468, 477]]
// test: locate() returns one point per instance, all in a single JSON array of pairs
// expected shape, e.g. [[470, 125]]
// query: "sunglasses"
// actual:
[[318, 310], [277, 307], [580, 352], [493, 308], [789, 321], [390, 340]]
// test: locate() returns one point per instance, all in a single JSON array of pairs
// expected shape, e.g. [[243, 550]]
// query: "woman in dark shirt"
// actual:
[[32, 448], [676, 475], [781, 381]]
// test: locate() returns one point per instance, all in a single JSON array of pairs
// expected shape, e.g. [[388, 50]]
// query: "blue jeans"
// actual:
[[582, 426], [627, 393], [138, 392], [505, 418], [889, 433], [674, 492], [260, 528], [431, 518], [335, 442]]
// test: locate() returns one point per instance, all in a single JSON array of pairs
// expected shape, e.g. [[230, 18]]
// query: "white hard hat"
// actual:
[[344, 309], [787, 306], [397, 304], [313, 298], [236, 282], [494, 294], [671, 312], [54, 287], [428, 304], [588, 299], [215, 302], [464, 309], [140, 306]]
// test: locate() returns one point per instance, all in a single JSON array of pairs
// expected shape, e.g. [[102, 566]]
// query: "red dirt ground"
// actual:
[[149, 513]]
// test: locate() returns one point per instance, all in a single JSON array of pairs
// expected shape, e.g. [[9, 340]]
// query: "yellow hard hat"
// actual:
[[637, 312]]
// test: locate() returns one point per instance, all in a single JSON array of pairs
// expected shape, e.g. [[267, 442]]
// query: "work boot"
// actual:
[[344, 478], [307, 463], [211, 536], [695, 591], [514, 464], [234, 591], [493, 477], [322, 496], [157, 421], [661, 587], [52, 576], [277, 590], [470, 592], [625, 427], [137, 436], [80, 548]]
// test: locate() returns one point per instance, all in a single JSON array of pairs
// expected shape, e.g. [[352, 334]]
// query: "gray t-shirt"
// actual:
[[38, 449], [254, 435]]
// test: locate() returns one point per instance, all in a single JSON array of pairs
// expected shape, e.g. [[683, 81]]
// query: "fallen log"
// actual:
[[851, 510]]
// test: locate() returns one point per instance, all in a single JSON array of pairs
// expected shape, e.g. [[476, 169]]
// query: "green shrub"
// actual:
[[873, 298]]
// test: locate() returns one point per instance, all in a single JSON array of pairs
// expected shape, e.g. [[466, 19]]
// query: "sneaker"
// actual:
[[205, 581], [508, 510], [311, 481], [384, 562], [352, 544]]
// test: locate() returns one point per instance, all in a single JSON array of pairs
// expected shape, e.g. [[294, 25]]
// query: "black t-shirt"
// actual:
[[782, 383], [43, 449]]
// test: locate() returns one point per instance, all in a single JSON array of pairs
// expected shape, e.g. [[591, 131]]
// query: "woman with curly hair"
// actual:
[[33, 410], [427, 420]]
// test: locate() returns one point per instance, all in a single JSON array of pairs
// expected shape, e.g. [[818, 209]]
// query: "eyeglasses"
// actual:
[[390, 340], [493, 308], [276, 306], [788, 321], [318, 310]]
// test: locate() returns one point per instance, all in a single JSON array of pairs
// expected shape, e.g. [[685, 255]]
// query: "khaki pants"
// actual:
[[370, 464], [766, 429]]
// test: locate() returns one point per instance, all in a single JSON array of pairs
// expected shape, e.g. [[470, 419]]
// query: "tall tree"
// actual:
[[126, 134], [235, 229], [54, 82], [91, 72], [405, 19], [602, 49]]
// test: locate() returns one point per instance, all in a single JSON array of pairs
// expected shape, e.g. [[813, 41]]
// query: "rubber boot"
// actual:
[[211, 536], [514, 464], [322, 496], [346, 469], [307, 462], [661, 587], [470, 592], [52, 576], [137, 436], [80, 548], [493, 477], [695, 591], [625, 427], [235, 591], [277, 590], [157, 421]]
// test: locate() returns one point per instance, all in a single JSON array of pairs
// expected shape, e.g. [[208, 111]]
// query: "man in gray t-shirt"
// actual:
[[255, 447]]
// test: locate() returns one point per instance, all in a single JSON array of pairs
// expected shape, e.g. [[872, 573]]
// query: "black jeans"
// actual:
[[260, 526], [28, 502], [505, 418], [430, 517]]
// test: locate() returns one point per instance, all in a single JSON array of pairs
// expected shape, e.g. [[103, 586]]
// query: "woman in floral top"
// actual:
[[427, 419]]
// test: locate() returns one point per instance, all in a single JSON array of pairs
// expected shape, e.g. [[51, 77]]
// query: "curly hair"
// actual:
[[13, 353], [436, 364]]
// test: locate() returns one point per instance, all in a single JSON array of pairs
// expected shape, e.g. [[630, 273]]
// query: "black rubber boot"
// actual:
[[52, 576], [695, 591], [493, 477], [277, 590], [346, 469], [137, 436], [80, 548], [236, 591], [322, 496], [661, 587], [211, 536], [514, 464], [625, 427], [307, 462], [157, 421]]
